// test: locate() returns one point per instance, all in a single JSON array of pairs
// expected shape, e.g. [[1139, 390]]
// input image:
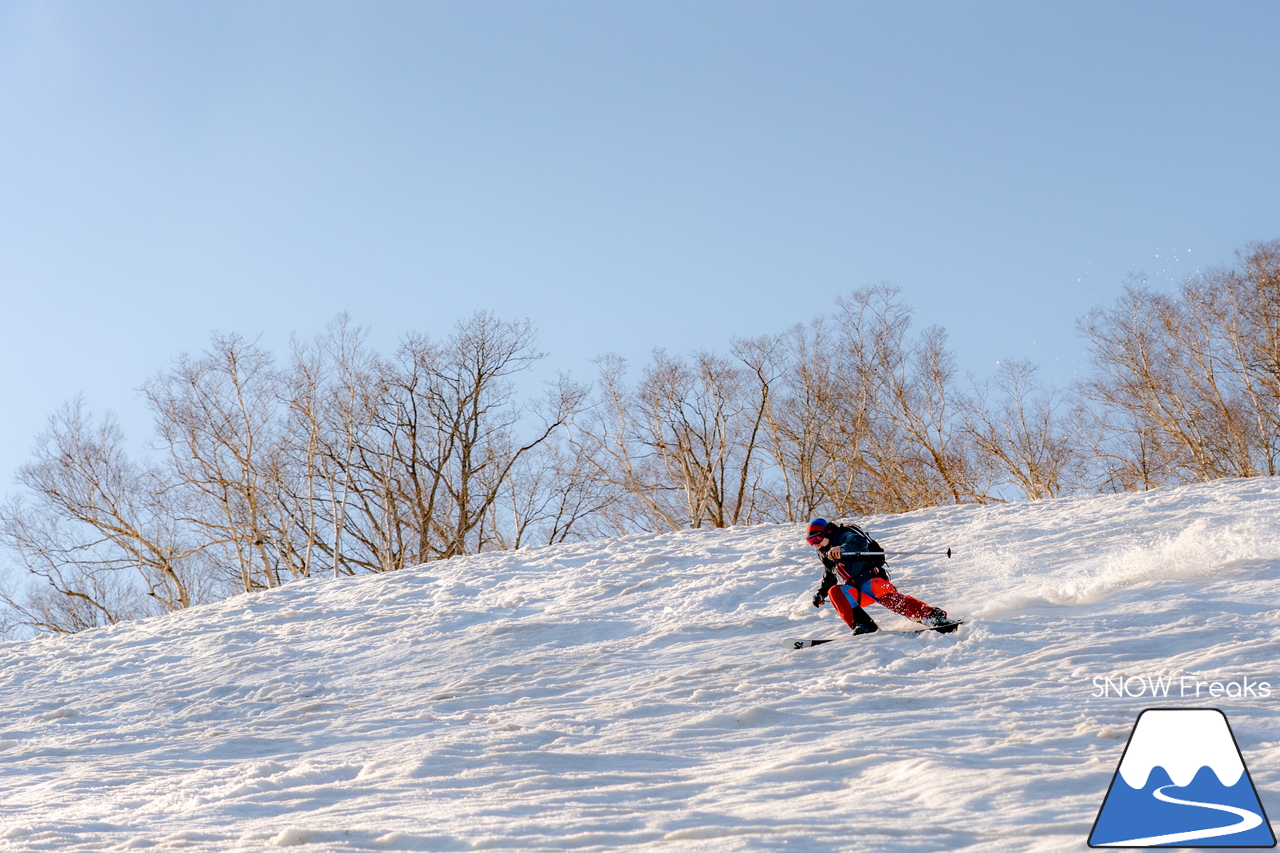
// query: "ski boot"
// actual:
[[937, 619], [862, 622]]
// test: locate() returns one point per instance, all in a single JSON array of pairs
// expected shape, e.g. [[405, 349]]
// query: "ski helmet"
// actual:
[[817, 531]]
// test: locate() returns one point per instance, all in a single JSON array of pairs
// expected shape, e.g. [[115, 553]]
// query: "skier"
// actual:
[[853, 581]]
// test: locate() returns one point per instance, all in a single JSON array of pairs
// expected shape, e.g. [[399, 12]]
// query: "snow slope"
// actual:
[[636, 694]]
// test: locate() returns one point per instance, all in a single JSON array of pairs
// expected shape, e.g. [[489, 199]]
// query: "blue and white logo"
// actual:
[[1181, 782]]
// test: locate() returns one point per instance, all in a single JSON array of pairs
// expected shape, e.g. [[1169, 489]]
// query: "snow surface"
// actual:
[[636, 693]]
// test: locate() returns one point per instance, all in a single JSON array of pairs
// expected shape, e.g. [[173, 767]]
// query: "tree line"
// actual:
[[338, 460]]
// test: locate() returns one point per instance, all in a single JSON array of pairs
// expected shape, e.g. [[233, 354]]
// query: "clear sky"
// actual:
[[625, 175]]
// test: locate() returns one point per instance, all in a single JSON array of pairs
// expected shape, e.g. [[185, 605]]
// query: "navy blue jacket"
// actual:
[[850, 539]]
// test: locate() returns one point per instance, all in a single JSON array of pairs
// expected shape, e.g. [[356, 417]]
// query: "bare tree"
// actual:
[[1242, 307], [218, 416], [1186, 385], [98, 532], [1020, 429], [682, 449], [549, 495], [817, 423], [896, 442], [445, 434], [781, 373], [346, 461], [604, 438], [850, 414], [704, 432], [937, 466], [334, 390]]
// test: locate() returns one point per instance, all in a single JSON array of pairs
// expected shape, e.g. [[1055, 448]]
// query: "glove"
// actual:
[[819, 599]]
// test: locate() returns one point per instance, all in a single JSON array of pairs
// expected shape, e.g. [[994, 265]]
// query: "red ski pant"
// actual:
[[875, 590]]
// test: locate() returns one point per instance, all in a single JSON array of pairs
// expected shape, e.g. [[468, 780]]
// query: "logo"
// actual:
[[1181, 782]]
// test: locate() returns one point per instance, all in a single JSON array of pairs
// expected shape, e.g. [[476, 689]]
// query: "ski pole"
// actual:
[[893, 553]]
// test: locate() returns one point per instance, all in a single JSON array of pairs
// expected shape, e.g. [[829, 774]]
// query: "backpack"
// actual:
[[860, 566], [872, 545]]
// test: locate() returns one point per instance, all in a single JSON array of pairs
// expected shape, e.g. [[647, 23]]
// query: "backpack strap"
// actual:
[[872, 545]]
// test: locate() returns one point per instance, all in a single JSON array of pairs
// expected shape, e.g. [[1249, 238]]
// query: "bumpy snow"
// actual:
[[637, 693]]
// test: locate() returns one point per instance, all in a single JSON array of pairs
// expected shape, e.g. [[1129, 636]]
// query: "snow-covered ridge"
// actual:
[[1181, 742], [635, 693]]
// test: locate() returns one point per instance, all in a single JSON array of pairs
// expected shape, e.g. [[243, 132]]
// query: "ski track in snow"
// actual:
[[635, 693]]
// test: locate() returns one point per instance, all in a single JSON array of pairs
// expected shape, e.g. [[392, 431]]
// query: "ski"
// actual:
[[808, 643]]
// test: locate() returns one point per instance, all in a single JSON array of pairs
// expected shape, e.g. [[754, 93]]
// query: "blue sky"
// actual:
[[625, 175]]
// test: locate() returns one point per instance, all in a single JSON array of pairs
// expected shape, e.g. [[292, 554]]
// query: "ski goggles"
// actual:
[[816, 539]]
